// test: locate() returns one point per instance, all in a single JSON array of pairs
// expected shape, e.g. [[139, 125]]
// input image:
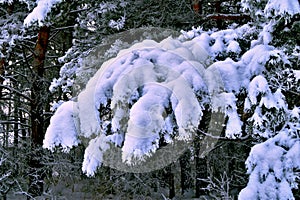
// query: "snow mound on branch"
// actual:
[[297, 74], [255, 59], [62, 129], [217, 43], [93, 155], [271, 165], [40, 12], [159, 77], [146, 94], [279, 7], [229, 73]]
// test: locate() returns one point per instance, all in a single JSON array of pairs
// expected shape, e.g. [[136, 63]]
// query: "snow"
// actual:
[[258, 85], [40, 12], [134, 148], [62, 130], [93, 155], [297, 74], [271, 166], [217, 42], [119, 24], [107, 6], [116, 139], [139, 85], [257, 117], [203, 40], [230, 77], [272, 101], [6, 1], [150, 105], [190, 34], [292, 156], [217, 47], [234, 124], [152, 88], [255, 59], [279, 7], [295, 113], [234, 47]]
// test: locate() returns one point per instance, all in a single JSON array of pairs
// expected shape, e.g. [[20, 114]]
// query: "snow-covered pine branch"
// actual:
[[40, 12], [146, 94], [272, 164], [134, 100]]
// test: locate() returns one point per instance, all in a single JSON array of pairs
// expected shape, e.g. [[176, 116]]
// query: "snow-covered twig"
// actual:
[[224, 138]]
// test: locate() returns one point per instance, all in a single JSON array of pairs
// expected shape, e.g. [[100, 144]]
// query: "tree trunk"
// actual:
[[10, 8], [37, 86], [16, 119], [186, 170], [170, 180], [37, 119], [197, 6], [2, 62], [218, 10], [201, 161]]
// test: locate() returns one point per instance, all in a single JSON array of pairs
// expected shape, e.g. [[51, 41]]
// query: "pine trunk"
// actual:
[[37, 86], [201, 161], [186, 170], [170, 180], [2, 62], [197, 6], [37, 119]]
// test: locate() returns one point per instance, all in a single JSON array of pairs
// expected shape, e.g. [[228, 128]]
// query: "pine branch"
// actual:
[[224, 138]]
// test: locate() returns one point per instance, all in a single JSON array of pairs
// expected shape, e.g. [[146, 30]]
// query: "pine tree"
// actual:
[[273, 164]]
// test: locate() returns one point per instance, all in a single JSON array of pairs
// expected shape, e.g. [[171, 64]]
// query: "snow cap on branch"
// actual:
[[149, 94], [40, 12], [279, 7]]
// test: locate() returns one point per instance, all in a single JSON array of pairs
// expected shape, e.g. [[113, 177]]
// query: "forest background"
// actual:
[[43, 44]]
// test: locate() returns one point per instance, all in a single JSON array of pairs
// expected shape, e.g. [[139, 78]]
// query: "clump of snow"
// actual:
[[217, 47], [231, 76], [150, 90], [297, 74], [119, 24], [273, 100], [255, 60], [217, 42], [62, 130], [40, 12], [93, 155], [234, 123], [268, 105], [279, 7], [233, 46], [271, 166], [191, 33], [258, 85], [295, 113]]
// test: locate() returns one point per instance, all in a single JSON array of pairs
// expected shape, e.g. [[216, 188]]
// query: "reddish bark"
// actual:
[[232, 17], [37, 85], [37, 118], [197, 7]]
